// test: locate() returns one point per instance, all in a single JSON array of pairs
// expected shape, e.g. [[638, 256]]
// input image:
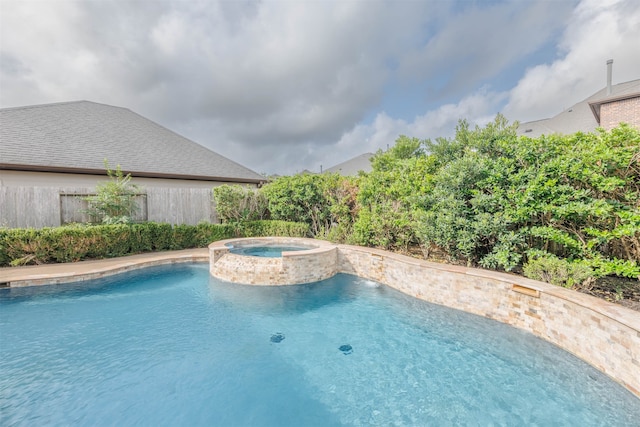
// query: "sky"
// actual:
[[284, 86]]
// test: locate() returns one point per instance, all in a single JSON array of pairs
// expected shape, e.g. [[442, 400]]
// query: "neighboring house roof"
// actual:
[[618, 93], [580, 117], [353, 166], [76, 137]]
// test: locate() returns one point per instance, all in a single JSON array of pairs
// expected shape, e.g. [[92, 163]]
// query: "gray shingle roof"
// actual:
[[353, 166], [78, 136], [579, 117]]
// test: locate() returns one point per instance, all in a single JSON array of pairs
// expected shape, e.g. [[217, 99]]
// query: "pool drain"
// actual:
[[346, 349], [277, 337]]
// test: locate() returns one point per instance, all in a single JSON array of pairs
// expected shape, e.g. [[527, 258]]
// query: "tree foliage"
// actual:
[[114, 201], [562, 208], [235, 203], [388, 193], [323, 201], [497, 199]]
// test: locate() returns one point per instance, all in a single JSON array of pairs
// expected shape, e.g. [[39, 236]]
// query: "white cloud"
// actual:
[[284, 86], [478, 108], [477, 43], [597, 31], [169, 33]]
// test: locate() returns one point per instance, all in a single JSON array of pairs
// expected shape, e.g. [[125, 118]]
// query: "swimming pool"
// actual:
[[265, 251], [174, 346]]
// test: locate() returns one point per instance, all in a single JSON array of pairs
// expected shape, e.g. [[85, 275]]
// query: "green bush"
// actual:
[[495, 197], [321, 201], [389, 195], [78, 242], [4, 256], [207, 233], [273, 228], [559, 272], [114, 201], [235, 203]]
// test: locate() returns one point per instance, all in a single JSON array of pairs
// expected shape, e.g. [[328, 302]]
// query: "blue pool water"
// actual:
[[265, 251], [173, 346]]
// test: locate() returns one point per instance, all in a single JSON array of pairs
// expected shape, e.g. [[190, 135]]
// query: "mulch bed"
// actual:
[[621, 291]]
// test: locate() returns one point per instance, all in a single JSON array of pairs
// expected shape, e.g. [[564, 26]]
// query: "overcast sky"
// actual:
[[282, 86]]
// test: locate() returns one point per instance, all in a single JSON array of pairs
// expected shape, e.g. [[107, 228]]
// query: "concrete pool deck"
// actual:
[[49, 274], [603, 334]]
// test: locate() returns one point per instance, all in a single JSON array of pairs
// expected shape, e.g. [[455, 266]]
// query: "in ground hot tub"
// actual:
[[272, 260], [267, 251]]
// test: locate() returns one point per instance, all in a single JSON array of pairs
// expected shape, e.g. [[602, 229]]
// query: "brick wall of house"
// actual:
[[626, 110]]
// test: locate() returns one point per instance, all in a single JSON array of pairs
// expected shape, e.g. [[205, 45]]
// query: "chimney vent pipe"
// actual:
[[609, 67]]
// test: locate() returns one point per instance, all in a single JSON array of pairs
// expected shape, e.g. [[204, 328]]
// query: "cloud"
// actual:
[[285, 86], [478, 43], [478, 108], [597, 31]]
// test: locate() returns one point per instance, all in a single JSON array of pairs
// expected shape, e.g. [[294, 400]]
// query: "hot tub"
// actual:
[[272, 260]]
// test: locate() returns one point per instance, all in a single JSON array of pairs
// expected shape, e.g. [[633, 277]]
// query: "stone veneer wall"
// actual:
[[603, 334], [295, 267]]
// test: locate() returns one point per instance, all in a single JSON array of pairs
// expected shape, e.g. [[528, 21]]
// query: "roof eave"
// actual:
[[595, 109], [82, 171], [595, 105]]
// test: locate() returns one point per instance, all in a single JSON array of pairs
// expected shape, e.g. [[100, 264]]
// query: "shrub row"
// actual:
[[559, 208], [79, 242]]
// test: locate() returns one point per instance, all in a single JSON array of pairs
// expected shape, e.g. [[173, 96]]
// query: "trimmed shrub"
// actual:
[[235, 203], [273, 228], [207, 233], [559, 272], [78, 242]]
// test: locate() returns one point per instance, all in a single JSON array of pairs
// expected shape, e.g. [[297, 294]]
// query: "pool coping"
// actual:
[[50, 274], [38, 275]]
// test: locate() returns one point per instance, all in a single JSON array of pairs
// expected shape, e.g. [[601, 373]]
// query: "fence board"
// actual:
[[180, 205], [37, 207], [27, 207]]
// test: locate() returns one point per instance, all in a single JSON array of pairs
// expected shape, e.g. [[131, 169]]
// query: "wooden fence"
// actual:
[[74, 207], [37, 207]]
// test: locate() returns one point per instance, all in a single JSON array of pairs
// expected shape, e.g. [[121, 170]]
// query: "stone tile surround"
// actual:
[[317, 263], [603, 334]]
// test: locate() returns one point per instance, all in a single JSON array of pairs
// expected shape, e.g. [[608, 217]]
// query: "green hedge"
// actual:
[[273, 228], [78, 242]]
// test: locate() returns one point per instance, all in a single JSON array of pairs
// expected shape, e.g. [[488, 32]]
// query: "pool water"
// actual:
[[265, 251], [173, 346]]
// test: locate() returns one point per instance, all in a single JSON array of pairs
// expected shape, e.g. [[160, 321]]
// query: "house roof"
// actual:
[[76, 137], [624, 91], [353, 166], [580, 117]]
